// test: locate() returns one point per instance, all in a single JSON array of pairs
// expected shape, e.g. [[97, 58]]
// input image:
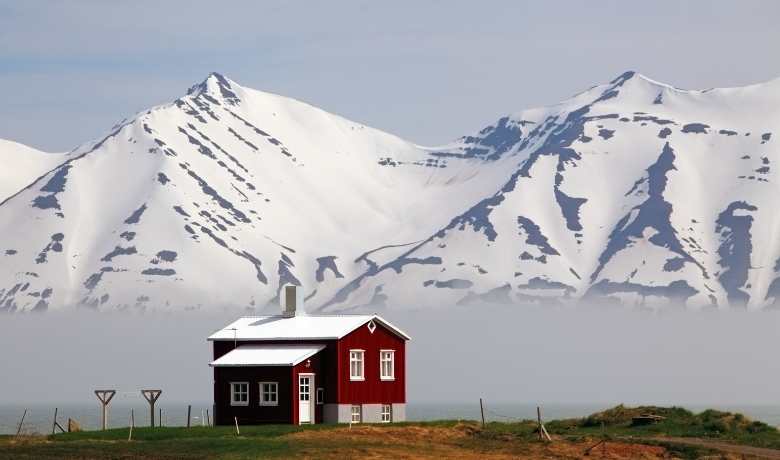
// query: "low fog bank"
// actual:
[[583, 355]]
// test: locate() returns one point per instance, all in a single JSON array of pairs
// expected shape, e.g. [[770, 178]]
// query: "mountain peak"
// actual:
[[625, 76], [218, 86], [636, 76]]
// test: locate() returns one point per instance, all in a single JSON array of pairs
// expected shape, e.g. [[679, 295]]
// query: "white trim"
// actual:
[[389, 413], [362, 374], [233, 401], [320, 396], [359, 413], [274, 392], [392, 328], [312, 385], [390, 377]]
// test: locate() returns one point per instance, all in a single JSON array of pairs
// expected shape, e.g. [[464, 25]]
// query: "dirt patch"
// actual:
[[736, 449], [462, 441]]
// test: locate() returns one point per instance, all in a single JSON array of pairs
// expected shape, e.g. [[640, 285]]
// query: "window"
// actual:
[[357, 414], [239, 393], [269, 394], [320, 395], [356, 364], [387, 413], [387, 364], [304, 392]]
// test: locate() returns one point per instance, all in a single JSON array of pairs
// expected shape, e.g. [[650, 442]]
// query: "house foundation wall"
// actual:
[[371, 413]]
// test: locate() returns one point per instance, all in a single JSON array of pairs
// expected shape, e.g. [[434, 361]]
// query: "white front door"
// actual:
[[305, 407]]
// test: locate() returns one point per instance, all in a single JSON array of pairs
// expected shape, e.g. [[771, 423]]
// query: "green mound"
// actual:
[[677, 419]]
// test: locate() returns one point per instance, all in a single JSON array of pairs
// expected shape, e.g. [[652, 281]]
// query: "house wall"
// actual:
[[372, 413], [287, 376], [331, 368], [253, 413], [315, 367], [372, 390], [327, 377]]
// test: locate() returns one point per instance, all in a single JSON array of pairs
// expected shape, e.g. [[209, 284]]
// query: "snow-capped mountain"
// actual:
[[20, 165], [632, 191]]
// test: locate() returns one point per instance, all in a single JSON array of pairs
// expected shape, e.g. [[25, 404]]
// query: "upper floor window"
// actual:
[[239, 393], [356, 365], [269, 394], [387, 364]]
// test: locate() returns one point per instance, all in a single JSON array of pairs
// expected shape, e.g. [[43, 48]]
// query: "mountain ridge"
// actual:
[[273, 190]]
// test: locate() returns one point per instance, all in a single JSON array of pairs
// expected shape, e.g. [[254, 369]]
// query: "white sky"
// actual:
[[427, 71]]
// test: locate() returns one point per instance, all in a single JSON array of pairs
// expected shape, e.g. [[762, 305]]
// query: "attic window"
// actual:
[[371, 326]]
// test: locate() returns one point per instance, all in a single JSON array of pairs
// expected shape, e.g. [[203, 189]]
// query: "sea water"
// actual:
[[39, 417]]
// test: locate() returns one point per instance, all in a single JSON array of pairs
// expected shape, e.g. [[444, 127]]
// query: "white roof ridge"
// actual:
[[311, 315], [280, 327]]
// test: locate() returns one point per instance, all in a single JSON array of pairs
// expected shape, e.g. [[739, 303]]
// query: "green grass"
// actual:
[[264, 441], [272, 441], [194, 443]]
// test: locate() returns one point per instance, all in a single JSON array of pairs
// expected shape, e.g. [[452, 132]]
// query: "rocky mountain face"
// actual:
[[632, 192]]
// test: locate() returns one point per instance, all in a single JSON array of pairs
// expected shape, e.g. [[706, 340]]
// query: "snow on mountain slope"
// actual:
[[218, 199], [632, 192], [20, 165]]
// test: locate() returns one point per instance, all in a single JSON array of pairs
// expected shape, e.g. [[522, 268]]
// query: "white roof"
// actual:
[[267, 355], [302, 327]]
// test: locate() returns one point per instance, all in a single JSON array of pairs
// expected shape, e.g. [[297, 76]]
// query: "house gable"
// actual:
[[372, 389]]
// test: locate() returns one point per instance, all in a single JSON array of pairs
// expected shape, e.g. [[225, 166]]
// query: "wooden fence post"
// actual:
[[543, 434], [54, 422], [208, 419], [105, 396], [151, 397], [21, 423], [132, 424], [189, 411], [482, 412], [539, 419]]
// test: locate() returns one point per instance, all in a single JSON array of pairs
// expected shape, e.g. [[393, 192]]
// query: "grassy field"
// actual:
[[444, 439]]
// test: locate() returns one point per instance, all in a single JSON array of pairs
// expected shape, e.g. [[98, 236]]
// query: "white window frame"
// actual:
[[233, 394], [273, 389], [353, 412], [362, 361], [320, 395], [388, 413], [382, 361]]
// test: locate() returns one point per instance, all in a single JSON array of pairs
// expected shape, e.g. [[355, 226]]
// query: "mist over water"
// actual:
[[570, 360]]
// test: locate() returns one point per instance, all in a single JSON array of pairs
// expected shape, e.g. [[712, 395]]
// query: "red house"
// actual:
[[298, 368]]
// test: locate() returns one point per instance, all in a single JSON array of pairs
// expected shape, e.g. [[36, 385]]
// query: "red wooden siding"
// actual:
[[372, 390], [331, 369], [316, 369]]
